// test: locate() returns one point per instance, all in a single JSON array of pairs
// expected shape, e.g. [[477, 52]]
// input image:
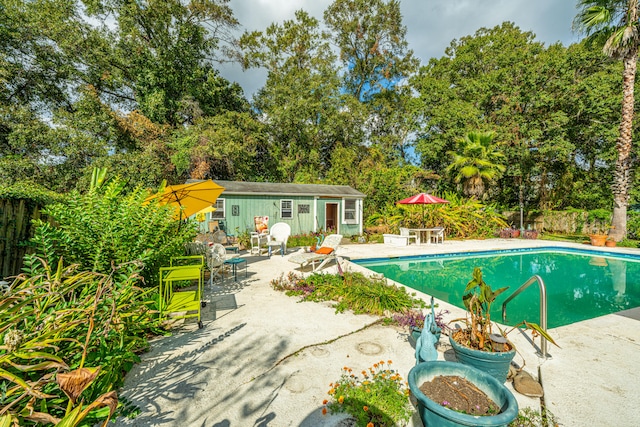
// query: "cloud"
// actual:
[[431, 24]]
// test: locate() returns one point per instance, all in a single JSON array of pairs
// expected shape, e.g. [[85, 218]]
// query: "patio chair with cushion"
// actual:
[[324, 254], [277, 239]]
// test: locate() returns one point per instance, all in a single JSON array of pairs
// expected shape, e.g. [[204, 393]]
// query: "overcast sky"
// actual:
[[431, 24]]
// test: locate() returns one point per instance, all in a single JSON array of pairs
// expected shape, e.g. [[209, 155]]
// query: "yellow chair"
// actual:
[[185, 304]]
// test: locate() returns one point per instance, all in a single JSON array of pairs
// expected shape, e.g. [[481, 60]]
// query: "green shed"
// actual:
[[305, 207]]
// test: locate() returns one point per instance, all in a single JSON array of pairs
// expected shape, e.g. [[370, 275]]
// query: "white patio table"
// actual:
[[420, 232]]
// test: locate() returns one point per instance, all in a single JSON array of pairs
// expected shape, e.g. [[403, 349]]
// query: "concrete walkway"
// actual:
[[265, 359]]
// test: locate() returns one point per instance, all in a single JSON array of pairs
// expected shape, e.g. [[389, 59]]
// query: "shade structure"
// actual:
[[206, 210], [422, 199], [189, 198]]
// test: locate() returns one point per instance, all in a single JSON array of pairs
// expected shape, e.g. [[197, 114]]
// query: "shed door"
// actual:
[[331, 217]]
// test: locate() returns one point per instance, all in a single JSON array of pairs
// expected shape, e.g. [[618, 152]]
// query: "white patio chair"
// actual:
[[437, 235], [406, 233], [277, 239]]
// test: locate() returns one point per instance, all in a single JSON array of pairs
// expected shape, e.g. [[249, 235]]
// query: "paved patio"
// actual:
[[264, 359]]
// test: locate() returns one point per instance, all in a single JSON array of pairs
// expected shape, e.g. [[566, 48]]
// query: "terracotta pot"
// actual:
[[598, 239], [610, 243]]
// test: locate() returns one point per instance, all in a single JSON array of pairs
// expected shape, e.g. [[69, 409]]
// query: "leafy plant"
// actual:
[[107, 227], [599, 221], [412, 318], [68, 336], [477, 299], [462, 218], [305, 239], [528, 417], [353, 291], [243, 237], [379, 398]]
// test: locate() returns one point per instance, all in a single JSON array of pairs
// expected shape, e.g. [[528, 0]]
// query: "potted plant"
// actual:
[[610, 243], [477, 345], [442, 406], [599, 235]]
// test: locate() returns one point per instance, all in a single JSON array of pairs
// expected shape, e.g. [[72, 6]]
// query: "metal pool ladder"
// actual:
[[543, 308]]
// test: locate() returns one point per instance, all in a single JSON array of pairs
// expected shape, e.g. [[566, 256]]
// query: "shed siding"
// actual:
[[263, 199]]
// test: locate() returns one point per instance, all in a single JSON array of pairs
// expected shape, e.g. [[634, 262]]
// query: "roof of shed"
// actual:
[[271, 188]]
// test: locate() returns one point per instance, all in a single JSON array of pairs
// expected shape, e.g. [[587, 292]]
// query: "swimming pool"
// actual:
[[581, 284]]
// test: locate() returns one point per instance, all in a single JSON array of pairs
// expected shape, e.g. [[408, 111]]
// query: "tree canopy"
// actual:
[[136, 87]]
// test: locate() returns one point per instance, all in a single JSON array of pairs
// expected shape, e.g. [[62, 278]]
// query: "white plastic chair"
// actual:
[[437, 234], [278, 236], [405, 232]]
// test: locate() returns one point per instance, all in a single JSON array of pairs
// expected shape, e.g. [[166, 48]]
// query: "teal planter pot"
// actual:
[[495, 364], [436, 415]]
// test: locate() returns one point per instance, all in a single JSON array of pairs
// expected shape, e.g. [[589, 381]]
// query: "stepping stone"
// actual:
[[524, 383]]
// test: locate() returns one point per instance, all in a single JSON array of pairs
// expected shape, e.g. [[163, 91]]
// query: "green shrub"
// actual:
[[633, 225], [69, 337], [353, 291], [461, 218], [305, 239], [106, 227], [380, 398]]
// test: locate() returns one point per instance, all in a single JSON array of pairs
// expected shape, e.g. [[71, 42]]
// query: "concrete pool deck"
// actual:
[[264, 359]]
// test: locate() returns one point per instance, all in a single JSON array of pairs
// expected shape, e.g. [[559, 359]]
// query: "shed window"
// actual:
[[286, 209], [219, 212], [350, 211]]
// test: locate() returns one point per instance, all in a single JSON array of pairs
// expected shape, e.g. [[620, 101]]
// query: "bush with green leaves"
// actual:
[[379, 398], [352, 291], [462, 218], [68, 337], [107, 227]]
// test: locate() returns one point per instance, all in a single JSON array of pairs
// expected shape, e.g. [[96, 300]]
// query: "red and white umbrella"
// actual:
[[422, 199]]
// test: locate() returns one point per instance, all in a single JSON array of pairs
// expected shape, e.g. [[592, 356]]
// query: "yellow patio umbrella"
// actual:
[[189, 198], [201, 214], [206, 210]]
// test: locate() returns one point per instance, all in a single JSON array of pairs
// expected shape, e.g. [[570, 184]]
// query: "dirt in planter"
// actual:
[[458, 394]]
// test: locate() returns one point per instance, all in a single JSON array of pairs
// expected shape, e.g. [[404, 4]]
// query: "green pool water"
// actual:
[[580, 284]]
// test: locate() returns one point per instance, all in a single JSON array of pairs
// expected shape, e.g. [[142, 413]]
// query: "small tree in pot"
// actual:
[[477, 345]]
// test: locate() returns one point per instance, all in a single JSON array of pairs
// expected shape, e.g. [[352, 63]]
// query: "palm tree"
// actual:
[[476, 163], [615, 22]]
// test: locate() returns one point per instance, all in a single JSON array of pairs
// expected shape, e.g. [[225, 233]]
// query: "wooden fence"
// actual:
[[16, 229]]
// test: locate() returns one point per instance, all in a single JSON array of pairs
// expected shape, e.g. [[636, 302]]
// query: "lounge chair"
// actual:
[[277, 239], [324, 254], [405, 232]]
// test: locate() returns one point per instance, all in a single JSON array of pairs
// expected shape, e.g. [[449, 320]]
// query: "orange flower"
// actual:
[[341, 400], [324, 411], [375, 365], [370, 425], [324, 402], [366, 408], [389, 362]]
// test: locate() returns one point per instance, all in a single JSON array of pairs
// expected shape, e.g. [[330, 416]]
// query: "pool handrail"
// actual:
[[543, 308]]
